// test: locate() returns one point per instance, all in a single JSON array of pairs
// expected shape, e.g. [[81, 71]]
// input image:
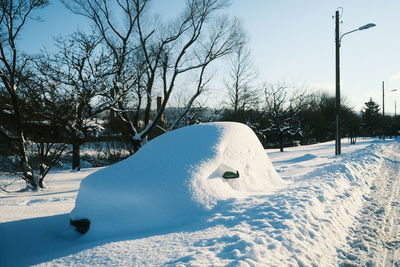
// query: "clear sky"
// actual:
[[292, 41]]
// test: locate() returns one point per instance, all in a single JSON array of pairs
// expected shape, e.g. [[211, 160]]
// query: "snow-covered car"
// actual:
[[174, 179]]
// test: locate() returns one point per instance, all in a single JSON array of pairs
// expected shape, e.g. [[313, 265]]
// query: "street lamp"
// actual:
[[383, 107], [395, 106], [338, 39]]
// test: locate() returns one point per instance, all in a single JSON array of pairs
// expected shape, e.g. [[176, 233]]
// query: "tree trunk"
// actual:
[[76, 156], [147, 111], [26, 167], [281, 142], [41, 182]]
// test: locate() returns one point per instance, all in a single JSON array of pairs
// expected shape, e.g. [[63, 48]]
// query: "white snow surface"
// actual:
[[324, 210], [175, 178]]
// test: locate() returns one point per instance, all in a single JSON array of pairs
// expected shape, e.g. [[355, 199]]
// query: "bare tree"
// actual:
[[283, 106], [115, 23], [242, 92], [39, 123], [13, 17], [195, 41], [43, 125], [78, 73], [165, 53]]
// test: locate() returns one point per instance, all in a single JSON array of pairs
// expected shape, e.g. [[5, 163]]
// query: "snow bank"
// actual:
[[316, 212], [175, 178]]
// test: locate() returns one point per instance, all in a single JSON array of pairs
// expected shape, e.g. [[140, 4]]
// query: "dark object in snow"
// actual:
[[231, 175], [82, 226]]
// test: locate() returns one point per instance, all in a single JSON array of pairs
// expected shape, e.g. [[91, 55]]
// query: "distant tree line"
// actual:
[[292, 117], [103, 85]]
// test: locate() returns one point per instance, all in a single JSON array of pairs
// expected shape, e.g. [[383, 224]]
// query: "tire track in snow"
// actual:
[[372, 240], [392, 248]]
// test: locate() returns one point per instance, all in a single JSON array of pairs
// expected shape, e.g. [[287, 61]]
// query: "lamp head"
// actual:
[[366, 26]]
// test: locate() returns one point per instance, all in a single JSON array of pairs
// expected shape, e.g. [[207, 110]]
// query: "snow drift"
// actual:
[[173, 178]]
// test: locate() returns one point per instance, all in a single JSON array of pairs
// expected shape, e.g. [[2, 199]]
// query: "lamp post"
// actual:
[[395, 111], [383, 108], [395, 105], [338, 39]]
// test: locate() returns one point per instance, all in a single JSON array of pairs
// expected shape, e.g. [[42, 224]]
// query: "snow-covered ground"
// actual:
[[327, 211]]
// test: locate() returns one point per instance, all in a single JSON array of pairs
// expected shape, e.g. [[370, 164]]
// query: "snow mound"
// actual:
[[174, 179]]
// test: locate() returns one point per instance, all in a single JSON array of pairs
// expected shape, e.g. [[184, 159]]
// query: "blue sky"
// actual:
[[291, 41]]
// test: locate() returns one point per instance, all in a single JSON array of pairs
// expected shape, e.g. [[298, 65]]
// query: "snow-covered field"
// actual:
[[324, 210]]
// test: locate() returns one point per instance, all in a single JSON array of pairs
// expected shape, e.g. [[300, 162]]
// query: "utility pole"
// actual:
[[383, 109], [337, 39]]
